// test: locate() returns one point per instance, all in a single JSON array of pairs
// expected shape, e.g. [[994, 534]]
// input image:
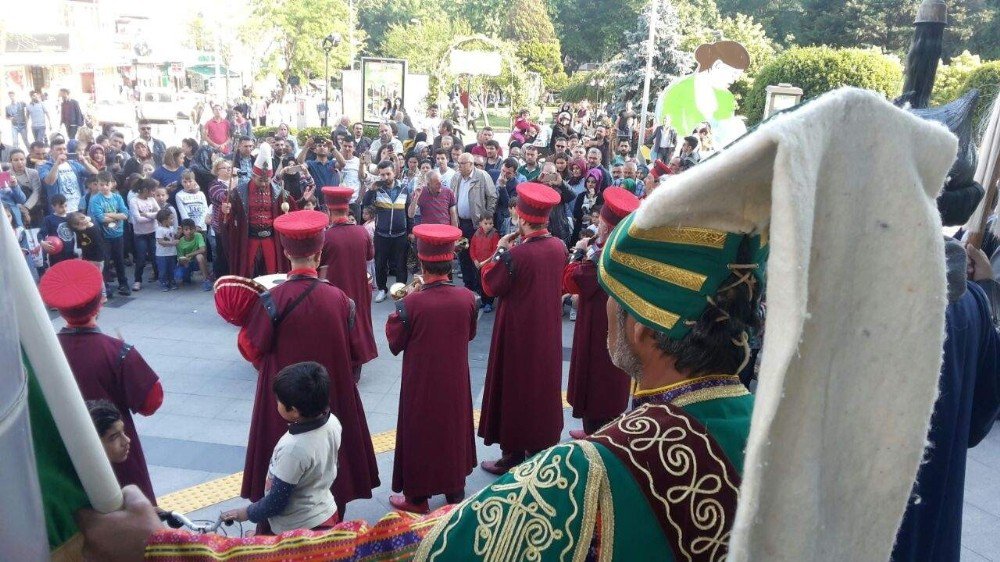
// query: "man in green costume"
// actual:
[[662, 481]]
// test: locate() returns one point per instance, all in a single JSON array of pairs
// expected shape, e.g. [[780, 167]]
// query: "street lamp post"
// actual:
[[329, 42]]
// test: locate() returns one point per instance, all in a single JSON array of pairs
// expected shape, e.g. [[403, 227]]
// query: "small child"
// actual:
[[191, 202], [191, 254], [368, 215], [304, 463], [90, 183], [308, 204], [55, 225], [162, 196], [481, 248], [166, 248], [90, 240], [111, 429]]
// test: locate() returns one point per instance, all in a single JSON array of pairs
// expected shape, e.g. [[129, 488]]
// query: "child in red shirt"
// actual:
[[481, 248]]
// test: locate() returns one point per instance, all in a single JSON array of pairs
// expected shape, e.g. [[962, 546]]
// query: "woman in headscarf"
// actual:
[[587, 201], [141, 156]]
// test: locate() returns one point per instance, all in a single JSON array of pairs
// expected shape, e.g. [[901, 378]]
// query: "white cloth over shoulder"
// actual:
[[846, 188]]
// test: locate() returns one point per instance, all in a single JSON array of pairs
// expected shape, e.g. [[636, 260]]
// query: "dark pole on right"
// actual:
[[925, 51]]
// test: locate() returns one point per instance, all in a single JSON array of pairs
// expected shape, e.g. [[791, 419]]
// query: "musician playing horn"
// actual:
[[522, 401], [597, 390], [435, 447]]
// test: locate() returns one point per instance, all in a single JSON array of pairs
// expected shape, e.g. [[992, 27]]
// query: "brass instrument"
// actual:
[[462, 244], [399, 290]]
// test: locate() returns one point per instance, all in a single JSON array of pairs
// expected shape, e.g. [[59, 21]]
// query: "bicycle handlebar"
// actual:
[[177, 520]]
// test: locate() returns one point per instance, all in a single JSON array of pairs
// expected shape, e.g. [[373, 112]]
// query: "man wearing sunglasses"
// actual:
[[158, 147]]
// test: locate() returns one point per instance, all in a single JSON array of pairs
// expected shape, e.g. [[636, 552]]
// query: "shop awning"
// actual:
[[208, 70]]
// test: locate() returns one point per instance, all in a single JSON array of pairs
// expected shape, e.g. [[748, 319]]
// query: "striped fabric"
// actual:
[[394, 538]]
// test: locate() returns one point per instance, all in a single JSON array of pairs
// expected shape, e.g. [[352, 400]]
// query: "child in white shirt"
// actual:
[[304, 463], [191, 202], [166, 248]]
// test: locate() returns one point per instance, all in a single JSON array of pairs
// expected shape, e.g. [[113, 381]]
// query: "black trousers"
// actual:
[[470, 273], [390, 251], [115, 250]]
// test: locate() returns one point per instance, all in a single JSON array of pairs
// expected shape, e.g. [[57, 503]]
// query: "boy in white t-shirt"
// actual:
[[304, 463], [191, 202], [166, 248]]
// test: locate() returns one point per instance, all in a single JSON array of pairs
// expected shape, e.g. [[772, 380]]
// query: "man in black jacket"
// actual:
[[71, 114], [392, 226]]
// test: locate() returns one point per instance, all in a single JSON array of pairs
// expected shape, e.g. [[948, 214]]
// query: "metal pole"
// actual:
[[654, 9], [326, 89], [350, 30]]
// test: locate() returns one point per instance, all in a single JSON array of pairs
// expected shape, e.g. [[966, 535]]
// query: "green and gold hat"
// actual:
[[664, 276]]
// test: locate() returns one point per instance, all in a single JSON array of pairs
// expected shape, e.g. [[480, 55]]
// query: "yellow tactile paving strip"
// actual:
[[228, 487]]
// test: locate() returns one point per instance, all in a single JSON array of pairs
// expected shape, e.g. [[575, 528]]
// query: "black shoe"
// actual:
[[124, 291]]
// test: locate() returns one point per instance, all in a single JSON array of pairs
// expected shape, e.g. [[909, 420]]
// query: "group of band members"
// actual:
[[322, 313]]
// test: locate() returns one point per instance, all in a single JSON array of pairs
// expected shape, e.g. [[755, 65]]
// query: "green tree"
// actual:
[[887, 24], [377, 17], [700, 22], [483, 16], [985, 39], [593, 31], [745, 31], [781, 19], [818, 70], [627, 71], [202, 37], [423, 43], [972, 24], [527, 21], [528, 26], [289, 36]]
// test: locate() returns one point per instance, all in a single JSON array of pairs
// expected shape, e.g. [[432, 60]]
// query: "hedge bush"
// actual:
[[952, 76], [987, 79], [578, 87], [371, 131], [820, 69]]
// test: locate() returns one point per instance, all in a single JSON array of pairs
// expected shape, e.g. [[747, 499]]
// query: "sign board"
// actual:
[[476, 63], [383, 83], [36, 42]]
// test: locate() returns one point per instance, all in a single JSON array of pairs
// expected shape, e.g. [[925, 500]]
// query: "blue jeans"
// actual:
[[38, 133], [184, 272], [22, 130], [145, 250], [166, 265]]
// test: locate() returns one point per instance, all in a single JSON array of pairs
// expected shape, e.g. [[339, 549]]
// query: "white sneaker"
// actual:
[[380, 296]]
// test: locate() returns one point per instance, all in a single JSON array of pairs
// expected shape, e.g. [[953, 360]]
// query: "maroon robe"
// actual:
[[236, 232], [597, 389], [108, 368], [435, 447], [346, 252], [522, 401], [317, 329]]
